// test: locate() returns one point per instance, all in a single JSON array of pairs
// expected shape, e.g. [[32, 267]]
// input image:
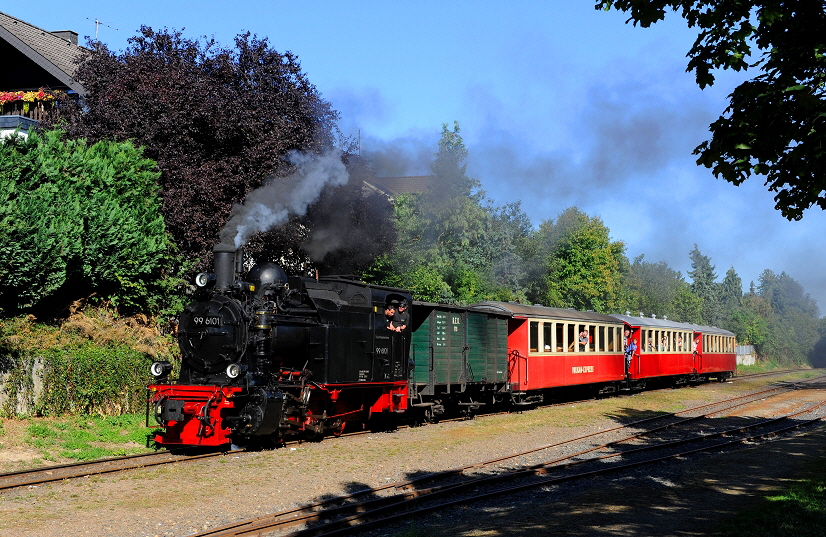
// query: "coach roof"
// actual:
[[652, 322], [542, 312]]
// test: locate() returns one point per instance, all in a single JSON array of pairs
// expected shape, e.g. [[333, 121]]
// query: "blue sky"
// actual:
[[559, 105]]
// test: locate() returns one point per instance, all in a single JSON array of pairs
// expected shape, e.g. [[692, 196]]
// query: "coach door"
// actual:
[[697, 351]]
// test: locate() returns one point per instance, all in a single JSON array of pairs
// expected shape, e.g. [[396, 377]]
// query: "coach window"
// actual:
[[601, 339], [560, 336], [546, 337], [534, 337]]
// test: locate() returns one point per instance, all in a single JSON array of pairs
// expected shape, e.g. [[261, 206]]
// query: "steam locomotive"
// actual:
[[266, 356]]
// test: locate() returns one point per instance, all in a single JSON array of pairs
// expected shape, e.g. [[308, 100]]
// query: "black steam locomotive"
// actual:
[[266, 355]]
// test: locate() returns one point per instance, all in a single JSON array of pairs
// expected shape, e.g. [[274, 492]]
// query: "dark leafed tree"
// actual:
[[219, 122], [775, 124]]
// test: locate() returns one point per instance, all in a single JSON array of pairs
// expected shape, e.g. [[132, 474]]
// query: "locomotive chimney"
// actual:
[[225, 265]]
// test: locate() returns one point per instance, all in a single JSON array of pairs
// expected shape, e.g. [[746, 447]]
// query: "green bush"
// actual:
[[93, 379], [77, 219]]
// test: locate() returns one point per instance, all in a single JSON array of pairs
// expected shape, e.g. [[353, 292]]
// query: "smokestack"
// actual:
[[226, 258]]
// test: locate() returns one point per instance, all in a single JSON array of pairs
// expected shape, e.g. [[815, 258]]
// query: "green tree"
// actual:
[[78, 219], [656, 288], [687, 305], [704, 285], [452, 238], [774, 124], [791, 317], [584, 266]]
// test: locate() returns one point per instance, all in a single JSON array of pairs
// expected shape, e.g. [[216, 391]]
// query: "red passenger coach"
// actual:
[[685, 352], [556, 347]]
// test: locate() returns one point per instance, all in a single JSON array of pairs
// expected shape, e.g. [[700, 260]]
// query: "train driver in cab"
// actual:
[[402, 317], [389, 315]]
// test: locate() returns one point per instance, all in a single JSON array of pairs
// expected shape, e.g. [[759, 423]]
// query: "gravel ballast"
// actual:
[[685, 497]]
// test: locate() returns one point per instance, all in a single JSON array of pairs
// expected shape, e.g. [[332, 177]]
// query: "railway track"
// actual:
[[60, 472], [621, 448], [47, 474]]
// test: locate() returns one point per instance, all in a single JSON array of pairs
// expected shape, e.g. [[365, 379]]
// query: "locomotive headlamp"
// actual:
[[204, 278], [233, 370], [160, 370]]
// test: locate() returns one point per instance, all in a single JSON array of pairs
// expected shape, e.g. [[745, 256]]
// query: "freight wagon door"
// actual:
[[421, 351], [448, 347], [487, 339]]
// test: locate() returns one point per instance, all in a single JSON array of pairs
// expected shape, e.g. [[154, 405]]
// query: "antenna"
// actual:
[[97, 26]]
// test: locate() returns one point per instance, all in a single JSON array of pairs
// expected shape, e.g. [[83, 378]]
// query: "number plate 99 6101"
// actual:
[[207, 320]]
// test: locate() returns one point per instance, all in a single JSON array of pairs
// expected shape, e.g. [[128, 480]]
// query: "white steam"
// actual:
[[274, 203]]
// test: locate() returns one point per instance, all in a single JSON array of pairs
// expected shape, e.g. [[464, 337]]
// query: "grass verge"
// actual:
[[800, 511], [73, 438]]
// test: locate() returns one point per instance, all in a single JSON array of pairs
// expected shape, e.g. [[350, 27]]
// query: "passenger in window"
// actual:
[[583, 340], [664, 343], [679, 343], [650, 344], [630, 349]]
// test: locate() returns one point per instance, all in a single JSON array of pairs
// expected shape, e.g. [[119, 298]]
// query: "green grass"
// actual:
[[800, 511], [87, 437], [765, 366]]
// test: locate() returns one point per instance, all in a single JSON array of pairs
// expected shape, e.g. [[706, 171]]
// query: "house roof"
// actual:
[[395, 186], [34, 57]]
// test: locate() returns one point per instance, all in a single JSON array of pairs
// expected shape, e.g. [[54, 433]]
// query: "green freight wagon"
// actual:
[[459, 358]]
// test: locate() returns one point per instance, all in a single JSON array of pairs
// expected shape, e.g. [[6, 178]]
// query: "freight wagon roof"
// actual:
[[523, 310], [421, 305], [651, 322]]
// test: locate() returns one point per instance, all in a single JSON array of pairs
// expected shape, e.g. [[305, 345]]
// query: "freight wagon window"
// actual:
[[560, 337], [534, 337], [546, 337], [601, 339]]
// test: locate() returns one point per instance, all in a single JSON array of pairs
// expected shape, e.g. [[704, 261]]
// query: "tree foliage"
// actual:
[[452, 245], [704, 285], [219, 121], [78, 219], [775, 124], [584, 266], [659, 289]]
